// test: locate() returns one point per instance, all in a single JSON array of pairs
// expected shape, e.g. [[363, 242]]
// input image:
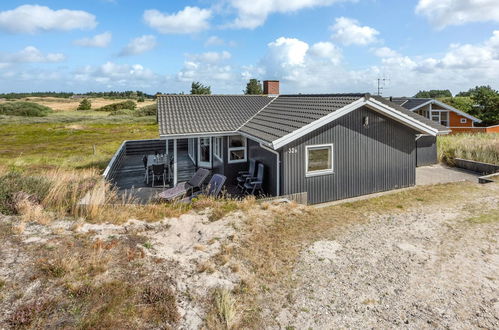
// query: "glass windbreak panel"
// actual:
[[319, 159], [237, 154], [236, 141], [204, 148]]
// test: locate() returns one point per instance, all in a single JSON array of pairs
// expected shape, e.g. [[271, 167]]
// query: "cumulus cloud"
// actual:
[[35, 18], [326, 50], [384, 52], [100, 40], [252, 14], [30, 54], [139, 45], [349, 32], [214, 41], [442, 13], [188, 20]]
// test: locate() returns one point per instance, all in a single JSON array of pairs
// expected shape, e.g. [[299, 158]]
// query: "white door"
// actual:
[[204, 152]]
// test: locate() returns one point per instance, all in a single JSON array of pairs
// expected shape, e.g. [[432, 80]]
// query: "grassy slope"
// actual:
[[67, 138], [478, 147]]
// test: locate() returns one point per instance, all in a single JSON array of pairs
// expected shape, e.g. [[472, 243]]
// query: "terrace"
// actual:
[[127, 173]]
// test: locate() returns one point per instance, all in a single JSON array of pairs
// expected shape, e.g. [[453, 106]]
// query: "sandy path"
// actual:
[[427, 268]]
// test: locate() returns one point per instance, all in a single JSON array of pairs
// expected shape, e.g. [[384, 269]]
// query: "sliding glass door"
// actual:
[[204, 152], [191, 143]]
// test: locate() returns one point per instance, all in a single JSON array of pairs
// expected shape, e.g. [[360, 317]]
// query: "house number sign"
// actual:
[[292, 151]]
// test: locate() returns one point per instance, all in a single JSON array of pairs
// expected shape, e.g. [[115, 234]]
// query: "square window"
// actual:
[[237, 149], [319, 159]]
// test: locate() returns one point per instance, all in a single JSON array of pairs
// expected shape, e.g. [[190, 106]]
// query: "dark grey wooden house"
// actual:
[[331, 146]]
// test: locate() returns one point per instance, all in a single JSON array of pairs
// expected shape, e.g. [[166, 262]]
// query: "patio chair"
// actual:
[[255, 183], [213, 189], [244, 175], [158, 171], [183, 188]]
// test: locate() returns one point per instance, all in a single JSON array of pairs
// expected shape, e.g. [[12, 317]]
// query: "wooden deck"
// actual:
[[129, 178]]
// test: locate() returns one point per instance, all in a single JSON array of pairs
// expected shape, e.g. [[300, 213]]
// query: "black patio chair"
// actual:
[[255, 183], [158, 171], [244, 175], [147, 171]]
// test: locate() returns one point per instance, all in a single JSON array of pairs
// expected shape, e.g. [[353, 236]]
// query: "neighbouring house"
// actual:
[[326, 147], [456, 120]]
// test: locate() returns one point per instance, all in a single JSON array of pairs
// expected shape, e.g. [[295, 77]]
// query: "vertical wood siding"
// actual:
[[426, 150], [366, 160], [268, 159]]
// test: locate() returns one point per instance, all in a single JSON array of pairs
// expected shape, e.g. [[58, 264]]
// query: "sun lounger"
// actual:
[[183, 188]]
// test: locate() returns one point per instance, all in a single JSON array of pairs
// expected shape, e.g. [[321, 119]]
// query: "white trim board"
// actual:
[[372, 104]]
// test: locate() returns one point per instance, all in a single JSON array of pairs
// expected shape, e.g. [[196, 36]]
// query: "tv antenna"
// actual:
[[381, 85]]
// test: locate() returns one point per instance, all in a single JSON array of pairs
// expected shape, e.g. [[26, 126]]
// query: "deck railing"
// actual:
[[132, 147]]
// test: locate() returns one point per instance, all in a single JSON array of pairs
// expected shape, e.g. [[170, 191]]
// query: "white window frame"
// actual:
[[463, 120], [218, 148], [319, 172], [207, 164], [244, 148]]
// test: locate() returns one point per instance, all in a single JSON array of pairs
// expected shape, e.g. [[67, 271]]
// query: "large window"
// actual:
[[217, 148], [319, 159], [441, 117], [237, 149]]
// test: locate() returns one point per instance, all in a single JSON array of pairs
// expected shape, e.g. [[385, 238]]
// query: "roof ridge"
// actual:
[[250, 118], [326, 95]]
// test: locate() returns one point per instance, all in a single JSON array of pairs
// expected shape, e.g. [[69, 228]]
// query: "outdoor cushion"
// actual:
[[183, 187]]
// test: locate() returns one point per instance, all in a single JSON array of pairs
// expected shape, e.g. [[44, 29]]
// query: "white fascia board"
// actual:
[[401, 117], [249, 136], [462, 113], [282, 141], [421, 105]]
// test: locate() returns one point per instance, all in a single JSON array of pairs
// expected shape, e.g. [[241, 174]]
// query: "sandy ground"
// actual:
[[183, 243], [427, 268]]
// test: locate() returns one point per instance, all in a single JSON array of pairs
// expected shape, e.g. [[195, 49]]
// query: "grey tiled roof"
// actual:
[[183, 114], [409, 102], [290, 112], [411, 114]]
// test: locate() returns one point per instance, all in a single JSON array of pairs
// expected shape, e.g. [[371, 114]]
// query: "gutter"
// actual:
[[278, 167]]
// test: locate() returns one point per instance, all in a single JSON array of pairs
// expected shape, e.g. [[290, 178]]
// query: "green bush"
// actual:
[[141, 99], [124, 112], [26, 109], [15, 182], [129, 105], [148, 110], [85, 104]]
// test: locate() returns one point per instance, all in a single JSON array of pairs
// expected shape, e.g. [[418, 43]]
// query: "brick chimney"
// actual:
[[271, 87]]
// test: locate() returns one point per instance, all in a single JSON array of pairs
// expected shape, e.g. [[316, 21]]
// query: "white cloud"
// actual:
[[100, 40], [385, 52], [252, 14], [188, 20], [214, 41], [442, 13], [30, 54], [327, 50], [139, 45], [287, 52], [349, 32], [34, 18], [111, 74]]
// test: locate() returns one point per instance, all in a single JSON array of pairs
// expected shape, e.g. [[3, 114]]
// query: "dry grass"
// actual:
[[94, 284], [60, 104], [483, 147], [223, 312]]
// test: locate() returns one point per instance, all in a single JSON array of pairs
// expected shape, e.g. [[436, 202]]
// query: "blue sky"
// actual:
[[309, 45]]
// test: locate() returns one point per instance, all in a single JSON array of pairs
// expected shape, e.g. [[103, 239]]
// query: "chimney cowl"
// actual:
[[271, 87]]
